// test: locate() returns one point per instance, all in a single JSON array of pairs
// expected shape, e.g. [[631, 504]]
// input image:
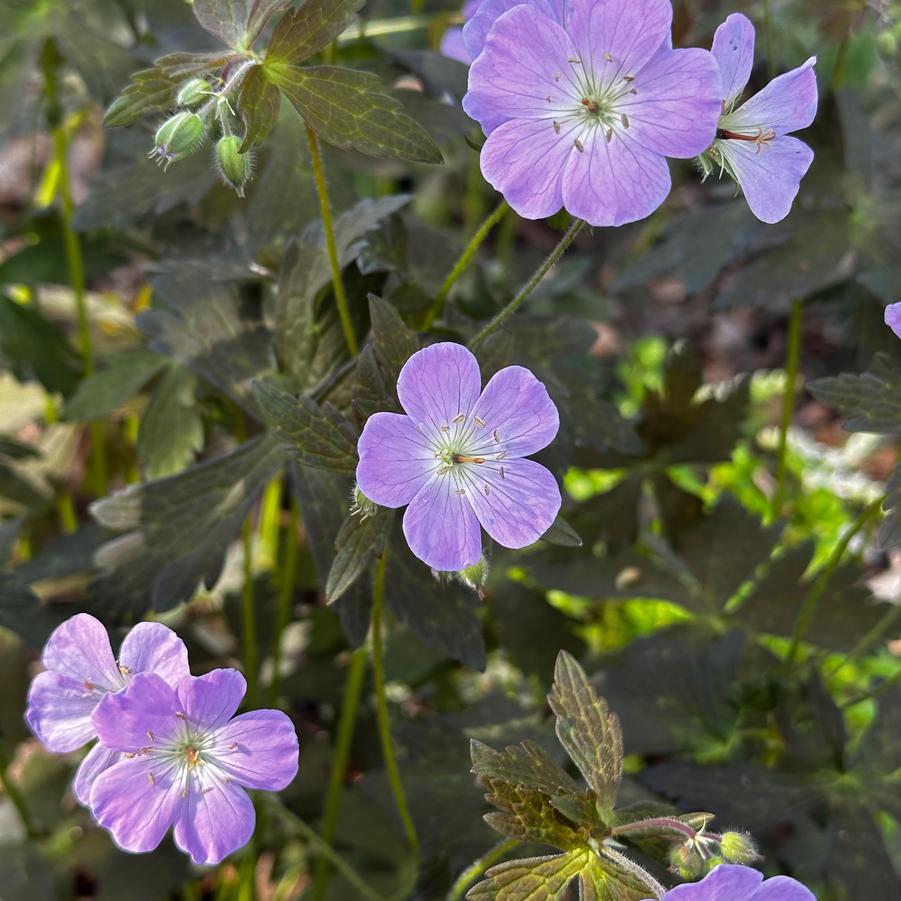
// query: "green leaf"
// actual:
[[22, 612], [359, 542], [890, 531], [151, 91], [309, 29], [182, 66], [118, 382], [258, 102], [531, 879], [611, 876], [588, 731], [562, 533], [315, 436], [237, 23], [349, 110], [870, 402], [527, 765], [395, 342]]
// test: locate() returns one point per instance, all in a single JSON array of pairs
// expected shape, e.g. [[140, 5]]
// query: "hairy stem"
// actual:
[[248, 615], [285, 594], [473, 872], [656, 824], [788, 405], [17, 799], [531, 285]]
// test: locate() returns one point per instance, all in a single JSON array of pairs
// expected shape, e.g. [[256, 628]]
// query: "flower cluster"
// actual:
[[169, 752]]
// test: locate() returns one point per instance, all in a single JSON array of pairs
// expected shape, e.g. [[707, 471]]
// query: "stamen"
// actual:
[[557, 127], [445, 428], [502, 473], [574, 59], [579, 146], [609, 135], [462, 458], [124, 670], [150, 778], [608, 56], [206, 791], [88, 686], [590, 105], [444, 470], [461, 491], [180, 715], [556, 76], [150, 735], [501, 456], [625, 120], [129, 756], [628, 78], [487, 490], [497, 437], [459, 418], [479, 422]]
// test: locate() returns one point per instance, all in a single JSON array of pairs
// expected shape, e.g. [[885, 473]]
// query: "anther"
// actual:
[[608, 56], [625, 120], [445, 428], [184, 793], [574, 59], [150, 778], [459, 418], [579, 146], [502, 473], [628, 78], [461, 491], [556, 76], [497, 437], [609, 135], [548, 98], [479, 422], [180, 715], [233, 746], [124, 670], [88, 686], [129, 756], [557, 127], [150, 735], [590, 105], [206, 791], [501, 456]]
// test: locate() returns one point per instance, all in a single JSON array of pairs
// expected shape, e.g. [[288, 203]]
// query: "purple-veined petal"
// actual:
[[258, 749], [518, 414], [210, 701], [438, 384], [615, 39], [59, 711], [396, 459], [134, 718], [782, 888], [727, 882], [893, 318], [98, 760], [154, 648], [137, 801], [452, 46], [733, 47], [515, 500], [441, 528], [215, 819], [769, 174], [79, 648], [614, 182], [524, 73], [788, 103], [478, 28], [677, 108]]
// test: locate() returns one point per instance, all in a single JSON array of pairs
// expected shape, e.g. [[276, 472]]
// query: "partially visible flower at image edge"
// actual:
[[455, 460], [893, 318], [452, 44], [732, 882], [188, 762], [79, 671], [753, 141]]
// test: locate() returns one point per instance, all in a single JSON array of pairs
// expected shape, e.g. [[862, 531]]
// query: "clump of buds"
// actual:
[[194, 92], [697, 856], [178, 137], [235, 168]]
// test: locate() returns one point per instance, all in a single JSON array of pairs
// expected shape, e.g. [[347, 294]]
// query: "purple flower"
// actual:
[[893, 318], [187, 763], [456, 458], [729, 882], [80, 671], [452, 44], [753, 143], [583, 101]]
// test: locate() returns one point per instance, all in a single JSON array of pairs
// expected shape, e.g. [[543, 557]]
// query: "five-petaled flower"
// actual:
[[80, 671], [753, 143], [186, 763], [456, 458], [583, 100], [730, 882]]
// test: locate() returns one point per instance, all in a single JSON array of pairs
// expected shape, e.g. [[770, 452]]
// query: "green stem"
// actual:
[[248, 615], [531, 285], [865, 643], [397, 25], [16, 797], [465, 259], [471, 873], [788, 406], [285, 595], [331, 247], [885, 685], [381, 705], [822, 582]]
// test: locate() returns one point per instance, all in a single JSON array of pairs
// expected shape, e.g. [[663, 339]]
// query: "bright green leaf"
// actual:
[[531, 879]]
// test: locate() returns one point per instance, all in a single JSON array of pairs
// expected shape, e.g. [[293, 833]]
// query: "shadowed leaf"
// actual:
[[259, 103], [310, 29]]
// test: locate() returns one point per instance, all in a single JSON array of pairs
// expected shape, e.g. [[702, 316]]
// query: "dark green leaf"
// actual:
[[237, 23], [259, 103], [151, 91], [182, 66], [394, 341], [118, 382], [562, 533], [611, 876], [890, 531], [359, 542], [22, 612], [531, 878], [309, 29], [527, 765], [870, 402]]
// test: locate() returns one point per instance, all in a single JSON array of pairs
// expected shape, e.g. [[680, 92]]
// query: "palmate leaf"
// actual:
[[870, 402], [310, 29], [237, 23], [258, 102], [611, 876], [151, 91], [531, 878]]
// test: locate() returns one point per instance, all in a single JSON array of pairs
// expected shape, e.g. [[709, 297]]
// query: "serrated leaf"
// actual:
[[395, 342], [258, 102], [869, 402], [611, 876], [151, 91], [588, 731], [118, 382], [527, 765], [531, 878], [350, 110], [237, 22], [360, 540], [309, 29], [183, 65]]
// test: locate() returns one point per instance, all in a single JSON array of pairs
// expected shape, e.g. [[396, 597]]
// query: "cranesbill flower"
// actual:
[[753, 143], [893, 318], [187, 763], [582, 105], [80, 671], [729, 882], [452, 43], [456, 459]]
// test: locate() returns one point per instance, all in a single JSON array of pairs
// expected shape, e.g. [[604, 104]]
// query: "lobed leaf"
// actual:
[[237, 23], [360, 540], [151, 91], [118, 382], [259, 103], [531, 878], [869, 402], [309, 29]]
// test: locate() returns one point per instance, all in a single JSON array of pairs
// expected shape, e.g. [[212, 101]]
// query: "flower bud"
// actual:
[[476, 576], [234, 167], [687, 861], [193, 92], [178, 137], [737, 847], [362, 506]]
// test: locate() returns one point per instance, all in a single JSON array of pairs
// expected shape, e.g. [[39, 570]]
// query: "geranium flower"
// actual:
[[80, 671], [187, 763], [581, 109], [456, 459], [893, 318], [452, 43], [730, 882], [753, 143]]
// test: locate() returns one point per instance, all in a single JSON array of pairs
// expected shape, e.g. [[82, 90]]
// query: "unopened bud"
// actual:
[[178, 137], [737, 847], [234, 167], [193, 92], [476, 576], [687, 861], [362, 506]]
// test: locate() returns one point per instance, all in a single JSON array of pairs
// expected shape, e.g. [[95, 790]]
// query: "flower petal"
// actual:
[[79, 648], [524, 72], [137, 801], [396, 459], [264, 753], [441, 528], [518, 414], [727, 882], [98, 760], [788, 103], [893, 318], [133, 718], [782, 888], [615, 39], [769, 174], [452, 46], [678, 105], [733, 47], [614, 182], [478, 28], [214, 820], [59, 711], [155, 648], [210, 701], [437, 384], [516, 500]]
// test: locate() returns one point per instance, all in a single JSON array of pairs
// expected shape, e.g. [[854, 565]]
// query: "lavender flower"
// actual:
[[729, 882], [80, 671], [452, 43], [187, 763], [582, 102], [893, 318], [753, 143], [456, 458]]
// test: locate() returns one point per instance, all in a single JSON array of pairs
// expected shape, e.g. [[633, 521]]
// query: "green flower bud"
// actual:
[[687, 861], [194, 92], [362, 506], [737, 847], [178, 137], [476, 576], [234, 167]]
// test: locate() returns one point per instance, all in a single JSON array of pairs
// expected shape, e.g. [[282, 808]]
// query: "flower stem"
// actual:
[[248, 615], [466, 257], [331, 247], [788, 405], [658, 824], [16, 797], [531, 285], [471, 873], [381, 705], [285, 594]]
